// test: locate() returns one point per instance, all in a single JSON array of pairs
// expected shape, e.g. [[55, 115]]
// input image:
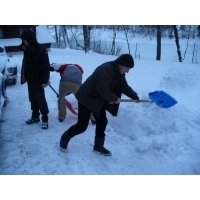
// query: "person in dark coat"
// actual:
[[35, 71], [101, 92]]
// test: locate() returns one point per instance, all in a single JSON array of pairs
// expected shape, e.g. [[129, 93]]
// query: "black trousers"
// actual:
[[83, 121], [38, 101]]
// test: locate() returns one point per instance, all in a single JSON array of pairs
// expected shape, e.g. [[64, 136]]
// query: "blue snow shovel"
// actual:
[[161, 98]]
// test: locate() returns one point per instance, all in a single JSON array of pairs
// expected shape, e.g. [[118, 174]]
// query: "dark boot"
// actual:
[[32, 120], [98, 147], [64, 140]]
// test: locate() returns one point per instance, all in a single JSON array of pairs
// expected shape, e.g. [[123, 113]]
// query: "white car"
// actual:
[[8, 74], [7, 68], [3, 94]]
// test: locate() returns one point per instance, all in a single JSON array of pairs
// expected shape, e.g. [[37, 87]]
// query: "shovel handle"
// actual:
[[132, 100], [53, 89]]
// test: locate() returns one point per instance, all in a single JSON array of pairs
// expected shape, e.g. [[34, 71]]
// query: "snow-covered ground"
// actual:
[[144, 138]]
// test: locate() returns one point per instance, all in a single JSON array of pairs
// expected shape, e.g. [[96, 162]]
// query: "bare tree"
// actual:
[[171, 33], [65, 36], [158, 55], [112, 51], [177, 42], [188, 37], [198, 31], [147, 30], [63, 32], [60, 36], [126, 28], [75, 31], [133, 30], [86, 35], [56, 35]]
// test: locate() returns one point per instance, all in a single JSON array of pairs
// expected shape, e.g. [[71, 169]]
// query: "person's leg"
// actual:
[[73, 87], [78, 128], [65, 88], [63, 91], [39, 94], [42, 103], [34, 106], [101, 123], [35, 110]]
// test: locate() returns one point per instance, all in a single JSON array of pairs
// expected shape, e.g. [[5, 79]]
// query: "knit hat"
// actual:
[[125, 60]]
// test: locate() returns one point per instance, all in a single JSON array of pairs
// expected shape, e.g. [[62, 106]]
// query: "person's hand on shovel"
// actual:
[[45, 85], [116, 102]]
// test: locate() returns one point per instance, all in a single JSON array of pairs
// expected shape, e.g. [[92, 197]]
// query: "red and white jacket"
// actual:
[[69, 72]]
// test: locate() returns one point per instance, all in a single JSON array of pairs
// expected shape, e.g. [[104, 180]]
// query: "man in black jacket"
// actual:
[[101, 92], [35, 71]]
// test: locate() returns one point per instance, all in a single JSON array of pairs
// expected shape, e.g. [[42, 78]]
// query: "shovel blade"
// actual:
[[162, 99], [69, 106]]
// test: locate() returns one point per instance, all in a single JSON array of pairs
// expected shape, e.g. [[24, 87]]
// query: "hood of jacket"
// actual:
[[29, 36]]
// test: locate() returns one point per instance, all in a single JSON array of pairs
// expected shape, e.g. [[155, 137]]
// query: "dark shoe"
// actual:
[[64, 140], [99, 147], [32, 120], [44, 125], [103, 151]]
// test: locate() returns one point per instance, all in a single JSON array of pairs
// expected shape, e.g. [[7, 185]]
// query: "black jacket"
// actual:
[[35, 64], [105, 85]]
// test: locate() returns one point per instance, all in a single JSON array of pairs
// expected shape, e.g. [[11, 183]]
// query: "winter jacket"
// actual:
[[68, 72], [105, 85], [35, 64]]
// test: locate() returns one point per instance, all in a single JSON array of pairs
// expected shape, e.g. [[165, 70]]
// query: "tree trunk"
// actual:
[[158, 56], [59, 36], [126, 34], [65, 36], [198, 31], [75, 35], [56, 34], [112, 51], [188, 37], [86, 34], [177, 43]]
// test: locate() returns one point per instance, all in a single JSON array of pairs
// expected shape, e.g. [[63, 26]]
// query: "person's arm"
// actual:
[[45, 68]]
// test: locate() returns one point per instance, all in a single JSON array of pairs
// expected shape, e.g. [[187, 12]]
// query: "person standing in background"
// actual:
[[35, 71]]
